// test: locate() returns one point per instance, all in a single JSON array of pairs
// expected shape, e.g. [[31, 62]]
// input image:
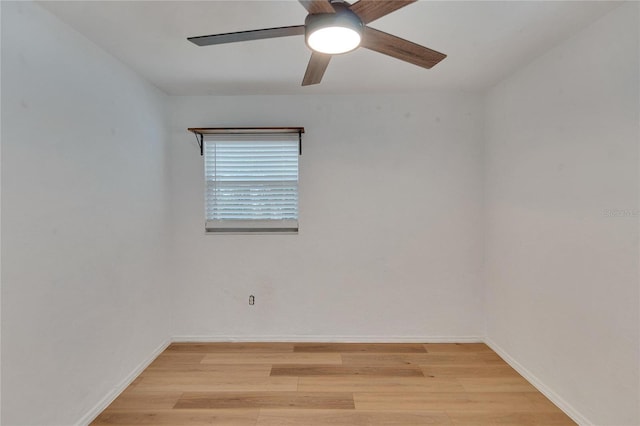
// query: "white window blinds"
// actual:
[[251, 182]]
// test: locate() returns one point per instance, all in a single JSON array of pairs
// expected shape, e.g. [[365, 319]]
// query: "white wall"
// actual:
[[390, 223], [84, 225], [561, 273]]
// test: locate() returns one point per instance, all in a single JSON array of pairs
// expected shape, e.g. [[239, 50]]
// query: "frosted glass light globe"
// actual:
[[333, 40]]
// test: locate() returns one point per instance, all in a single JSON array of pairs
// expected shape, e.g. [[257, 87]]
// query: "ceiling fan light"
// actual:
[[334, 33], [334, 40]]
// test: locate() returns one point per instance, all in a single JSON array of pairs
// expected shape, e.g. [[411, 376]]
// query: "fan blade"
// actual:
[[316, 68], [370, 10], [247, 35], [400, 49], [317, 6]]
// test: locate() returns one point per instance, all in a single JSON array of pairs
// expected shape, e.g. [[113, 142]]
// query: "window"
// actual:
[[251, 180]]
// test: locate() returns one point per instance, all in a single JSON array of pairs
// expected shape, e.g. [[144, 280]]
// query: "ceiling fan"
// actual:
[[333, 27]]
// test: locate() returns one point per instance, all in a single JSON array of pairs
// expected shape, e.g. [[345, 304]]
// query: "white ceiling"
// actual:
[[484, 41]]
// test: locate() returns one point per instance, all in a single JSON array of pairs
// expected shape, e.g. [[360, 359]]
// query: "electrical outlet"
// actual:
[[252, 300]]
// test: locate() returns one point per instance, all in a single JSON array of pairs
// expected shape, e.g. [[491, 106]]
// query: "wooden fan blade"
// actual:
[[317, 6], [316, 68], [370, 10], [247, 35], [400, 48]]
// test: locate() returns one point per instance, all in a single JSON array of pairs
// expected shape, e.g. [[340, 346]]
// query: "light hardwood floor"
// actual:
[[269, 384]]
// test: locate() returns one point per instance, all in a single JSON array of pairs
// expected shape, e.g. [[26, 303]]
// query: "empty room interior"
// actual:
[[211, 214]]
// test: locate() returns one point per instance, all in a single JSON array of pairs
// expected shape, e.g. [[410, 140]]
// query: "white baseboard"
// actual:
[[328, 339], [108, 399], [568, 409]]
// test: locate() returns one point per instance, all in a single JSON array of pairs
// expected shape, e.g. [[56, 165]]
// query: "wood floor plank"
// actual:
[[218, 347], [384, 359], [360, 347], [437, 401], [340, 370], [199, 383], [349, 418], [231, 370], [131, 399], [210, 370], [469, 371], [377, 384], [252, 370], [391, 359], [456, 347], [510, 419], [319, 400], [496, 384], [463, 358], [272, 358], [179, 418], [387, 401], [173, 358]]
